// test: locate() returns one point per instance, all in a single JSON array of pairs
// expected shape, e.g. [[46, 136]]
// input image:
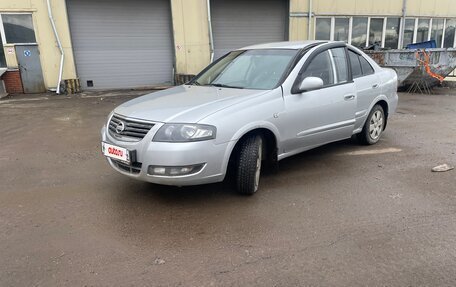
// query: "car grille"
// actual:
[[132, 128], [135, 168]]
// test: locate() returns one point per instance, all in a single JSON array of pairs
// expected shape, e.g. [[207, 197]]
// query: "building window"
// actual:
[[449, 40], [409, 31], [359, 31], [323, 29], [363, 31], [18, 28], [376, 31], [341, 27], [437, 31], [392, 33], [422, 31]]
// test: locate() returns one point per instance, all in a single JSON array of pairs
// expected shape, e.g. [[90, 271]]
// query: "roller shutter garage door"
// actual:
[[239, 23], [121, 44]]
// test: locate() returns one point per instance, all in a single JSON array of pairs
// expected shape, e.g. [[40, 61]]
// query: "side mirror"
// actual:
[[310, 83]]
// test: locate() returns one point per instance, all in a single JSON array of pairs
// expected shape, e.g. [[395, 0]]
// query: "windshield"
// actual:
[[251, 69]]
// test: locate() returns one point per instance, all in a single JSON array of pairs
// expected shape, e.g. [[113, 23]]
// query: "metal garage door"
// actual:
[[121, 44], [238, 23]]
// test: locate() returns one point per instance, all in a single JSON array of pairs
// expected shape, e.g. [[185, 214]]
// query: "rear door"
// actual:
[[367, 86], [327, 114]]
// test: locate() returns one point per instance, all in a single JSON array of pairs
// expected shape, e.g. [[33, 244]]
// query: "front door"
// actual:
[[327, 114], [28, 58]]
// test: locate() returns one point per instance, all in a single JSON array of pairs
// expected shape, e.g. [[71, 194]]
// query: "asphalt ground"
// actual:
[[339, 215]]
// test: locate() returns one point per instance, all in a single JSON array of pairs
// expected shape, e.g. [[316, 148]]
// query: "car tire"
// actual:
[[249, 165], [373, 127]]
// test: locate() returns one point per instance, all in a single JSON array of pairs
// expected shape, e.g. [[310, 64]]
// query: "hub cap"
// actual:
[[376, 125]]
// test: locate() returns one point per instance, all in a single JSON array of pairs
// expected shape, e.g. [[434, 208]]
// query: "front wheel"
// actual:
[[249, 165], [373, 128]]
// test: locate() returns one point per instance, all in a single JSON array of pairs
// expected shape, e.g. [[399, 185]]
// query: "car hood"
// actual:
[[184, 103]]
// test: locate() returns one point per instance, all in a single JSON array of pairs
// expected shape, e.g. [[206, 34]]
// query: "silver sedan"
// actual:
[[254, 106]]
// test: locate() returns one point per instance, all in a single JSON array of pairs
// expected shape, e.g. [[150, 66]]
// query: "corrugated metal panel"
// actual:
[[239, 23], [121, 44]]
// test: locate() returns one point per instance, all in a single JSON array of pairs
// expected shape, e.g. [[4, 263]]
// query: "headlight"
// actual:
[[184, 133]]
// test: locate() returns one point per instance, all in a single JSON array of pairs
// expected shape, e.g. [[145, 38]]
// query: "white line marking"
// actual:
[[23, 100], [372, 151]]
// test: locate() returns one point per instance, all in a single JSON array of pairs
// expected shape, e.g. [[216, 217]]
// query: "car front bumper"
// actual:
[[214, 158]]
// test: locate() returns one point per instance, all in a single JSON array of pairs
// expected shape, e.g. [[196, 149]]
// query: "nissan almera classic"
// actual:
[[254, 106]]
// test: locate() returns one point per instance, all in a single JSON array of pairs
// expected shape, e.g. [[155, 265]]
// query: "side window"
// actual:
[[320, 67], [355, 64], [366, 67], [340, 60]]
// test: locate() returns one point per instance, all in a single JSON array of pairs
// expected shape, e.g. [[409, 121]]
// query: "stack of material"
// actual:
[[417, 68]]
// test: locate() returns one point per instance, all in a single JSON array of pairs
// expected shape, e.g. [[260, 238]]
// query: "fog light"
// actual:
[[174, 170], [159, 170]]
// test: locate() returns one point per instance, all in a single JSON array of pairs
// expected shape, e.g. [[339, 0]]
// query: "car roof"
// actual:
[[295, 45]]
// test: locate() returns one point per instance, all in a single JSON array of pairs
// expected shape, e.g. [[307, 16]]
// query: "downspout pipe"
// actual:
[[59, 44], [309, 19], [211, 36], [402, 30]]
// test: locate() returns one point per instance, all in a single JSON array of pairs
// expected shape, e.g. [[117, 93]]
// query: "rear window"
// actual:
[[365, 66], [355, 64]]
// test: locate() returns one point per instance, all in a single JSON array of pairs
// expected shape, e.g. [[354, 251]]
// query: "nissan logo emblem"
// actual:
[[120, 127]]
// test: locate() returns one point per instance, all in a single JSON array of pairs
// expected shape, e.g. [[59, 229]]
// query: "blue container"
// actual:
[[422, 45]]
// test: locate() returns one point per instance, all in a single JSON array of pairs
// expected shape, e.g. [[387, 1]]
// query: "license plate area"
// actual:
[[118, 153]]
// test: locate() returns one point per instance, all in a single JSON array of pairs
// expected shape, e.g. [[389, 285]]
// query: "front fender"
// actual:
[[245, 130]]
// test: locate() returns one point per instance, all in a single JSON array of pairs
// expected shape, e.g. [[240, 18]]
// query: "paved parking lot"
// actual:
[[340, 215]]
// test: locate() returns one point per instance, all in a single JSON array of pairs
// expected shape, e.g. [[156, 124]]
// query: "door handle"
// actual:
[[374, 86], [349, 97]]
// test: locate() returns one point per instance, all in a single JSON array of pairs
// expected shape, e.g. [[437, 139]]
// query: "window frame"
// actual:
[[385, 27], [2, 28], [359, 62], [351, 29], [331, 27], [361, 65], [383, 30], [317, 51], [334, 65], [444, 30], [385, 19], [429, 27], [350, 26], [369, 64], [431, 30], [401, 36]]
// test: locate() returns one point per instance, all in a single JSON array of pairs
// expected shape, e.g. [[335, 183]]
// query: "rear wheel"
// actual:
[[373, 128], [249, 165]]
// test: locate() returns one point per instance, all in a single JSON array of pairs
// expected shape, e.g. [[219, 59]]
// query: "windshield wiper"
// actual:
[[225, 86]]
